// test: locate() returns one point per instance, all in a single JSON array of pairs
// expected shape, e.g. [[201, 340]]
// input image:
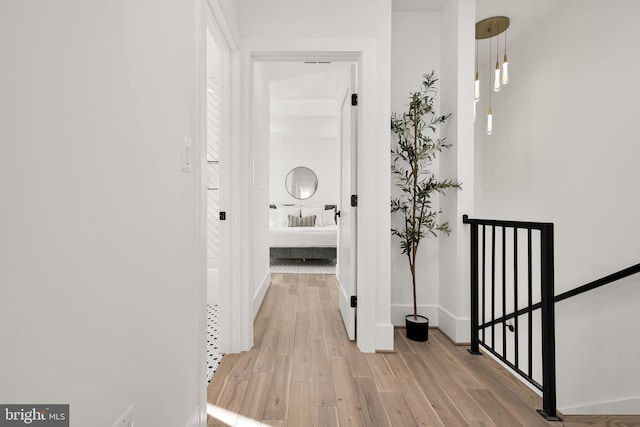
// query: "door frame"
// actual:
[[216, 26], [374, 329]]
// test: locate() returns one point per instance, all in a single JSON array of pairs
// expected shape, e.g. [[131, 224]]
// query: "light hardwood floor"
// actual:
[[303, 371]]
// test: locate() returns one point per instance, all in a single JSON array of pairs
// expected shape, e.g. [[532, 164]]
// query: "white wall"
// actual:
[[102, 305], [229, 13], [356, 26], [290, 149], [415, 51], [457, 56], [565, 150]]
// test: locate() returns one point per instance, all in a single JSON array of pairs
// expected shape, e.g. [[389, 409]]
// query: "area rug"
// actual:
[[299, 266]]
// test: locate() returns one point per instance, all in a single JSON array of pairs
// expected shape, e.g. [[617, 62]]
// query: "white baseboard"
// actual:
[[456, 328], [399, 311], [213, 283], [621, 407], [197, 419], [384, 336], [260, 293]]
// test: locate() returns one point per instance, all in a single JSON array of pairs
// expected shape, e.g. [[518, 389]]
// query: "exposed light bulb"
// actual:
[[489, 121], [505, 70], [476, 88], [475, 108], [496, 80]]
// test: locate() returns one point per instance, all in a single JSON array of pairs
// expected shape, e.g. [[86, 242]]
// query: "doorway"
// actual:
[[311, 169], [216, 189]]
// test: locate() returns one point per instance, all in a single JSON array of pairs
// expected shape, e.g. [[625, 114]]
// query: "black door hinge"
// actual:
[[354, 301], [354, 99], [354, 200], [223, 216]]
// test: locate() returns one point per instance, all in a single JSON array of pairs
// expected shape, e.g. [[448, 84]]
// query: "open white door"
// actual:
[[347, 219]]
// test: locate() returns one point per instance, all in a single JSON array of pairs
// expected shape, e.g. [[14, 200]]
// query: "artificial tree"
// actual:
[[412, 157]]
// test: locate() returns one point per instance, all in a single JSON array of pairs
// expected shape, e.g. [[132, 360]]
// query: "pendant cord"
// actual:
[[505, 42], [490, 56]]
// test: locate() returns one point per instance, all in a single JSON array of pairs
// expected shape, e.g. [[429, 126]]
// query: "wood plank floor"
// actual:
[[303, 371]]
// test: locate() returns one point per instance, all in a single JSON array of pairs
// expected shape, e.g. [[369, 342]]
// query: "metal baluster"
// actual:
[[475, 347], [484, 280], [504, 291], [548, 325], [530, 291], [493, 285], [515, 295]]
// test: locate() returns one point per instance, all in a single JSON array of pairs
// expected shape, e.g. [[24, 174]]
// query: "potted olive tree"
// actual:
[[412, 157]]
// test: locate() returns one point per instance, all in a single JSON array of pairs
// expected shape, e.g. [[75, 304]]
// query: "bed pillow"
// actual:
[[283, 213], [317, 211], [302, 221], [329, 216]]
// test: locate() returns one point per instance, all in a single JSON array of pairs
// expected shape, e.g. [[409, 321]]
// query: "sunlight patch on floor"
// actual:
[[231, 418]]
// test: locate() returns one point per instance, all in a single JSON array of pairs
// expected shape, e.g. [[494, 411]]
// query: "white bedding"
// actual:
[[304, 237]]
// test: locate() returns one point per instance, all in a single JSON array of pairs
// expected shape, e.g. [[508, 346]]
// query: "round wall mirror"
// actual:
[[301, 182]]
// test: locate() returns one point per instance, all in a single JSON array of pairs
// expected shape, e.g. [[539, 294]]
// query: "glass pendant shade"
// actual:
[[476, 88], [496, 81], [505, 70], [489, 121]]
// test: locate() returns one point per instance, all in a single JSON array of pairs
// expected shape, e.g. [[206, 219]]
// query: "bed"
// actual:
[[303, 242]]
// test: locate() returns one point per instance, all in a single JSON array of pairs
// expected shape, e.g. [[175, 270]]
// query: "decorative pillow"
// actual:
[[317, 211], [329, 216], [302, 221], [283, 215]]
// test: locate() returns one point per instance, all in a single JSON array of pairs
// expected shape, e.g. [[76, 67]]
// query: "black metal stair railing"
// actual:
[[489, 298], [544, 272]]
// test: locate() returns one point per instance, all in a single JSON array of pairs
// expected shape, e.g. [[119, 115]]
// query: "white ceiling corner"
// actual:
[[417, 5]]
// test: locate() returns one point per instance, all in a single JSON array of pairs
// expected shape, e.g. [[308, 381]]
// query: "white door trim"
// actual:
[[236, 321], [372, 332]]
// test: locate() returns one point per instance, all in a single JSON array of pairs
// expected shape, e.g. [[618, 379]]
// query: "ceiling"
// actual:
[[408, 5], [298, 80], [523, 14]]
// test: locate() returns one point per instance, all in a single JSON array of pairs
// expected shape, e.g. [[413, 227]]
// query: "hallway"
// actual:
[[303, 371]]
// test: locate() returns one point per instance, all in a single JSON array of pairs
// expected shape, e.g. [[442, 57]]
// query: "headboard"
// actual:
[[326, 208]]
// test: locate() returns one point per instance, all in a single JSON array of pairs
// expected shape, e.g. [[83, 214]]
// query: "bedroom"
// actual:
[[305, 163]]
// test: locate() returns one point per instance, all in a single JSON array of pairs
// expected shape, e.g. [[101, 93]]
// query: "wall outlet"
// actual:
[[126, 419]]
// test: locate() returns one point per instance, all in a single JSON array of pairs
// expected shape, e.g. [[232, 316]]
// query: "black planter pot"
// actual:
[[417, 327]]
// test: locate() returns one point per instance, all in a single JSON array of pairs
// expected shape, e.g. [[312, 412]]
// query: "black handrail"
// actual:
[[630, 271], [634, 269], [546, 256], [546, 304]]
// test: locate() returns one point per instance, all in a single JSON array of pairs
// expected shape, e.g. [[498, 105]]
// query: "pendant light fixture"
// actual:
[[505, 63], [496, 79], [489, 111], [488, 29]]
